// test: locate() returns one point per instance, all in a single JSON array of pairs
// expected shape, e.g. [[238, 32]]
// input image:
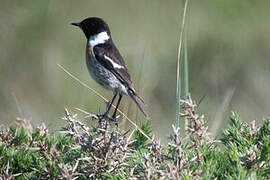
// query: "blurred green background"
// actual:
[[228, 50]]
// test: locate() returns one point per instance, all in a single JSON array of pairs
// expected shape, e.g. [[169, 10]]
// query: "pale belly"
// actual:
[[103, 76]]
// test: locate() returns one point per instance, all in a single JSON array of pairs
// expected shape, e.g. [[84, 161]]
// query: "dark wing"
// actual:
[[109, 56]]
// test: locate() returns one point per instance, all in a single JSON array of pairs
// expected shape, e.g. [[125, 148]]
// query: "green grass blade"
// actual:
[[186, 72], [178, 75]]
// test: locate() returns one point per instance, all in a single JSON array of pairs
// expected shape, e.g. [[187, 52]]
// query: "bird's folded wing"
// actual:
[[111, 59]]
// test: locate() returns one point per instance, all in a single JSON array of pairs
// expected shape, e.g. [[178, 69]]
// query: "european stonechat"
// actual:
[[105, 64]]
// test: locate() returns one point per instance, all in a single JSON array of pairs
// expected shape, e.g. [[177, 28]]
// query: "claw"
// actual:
[[102, 116], [114, 117], [111, 119]]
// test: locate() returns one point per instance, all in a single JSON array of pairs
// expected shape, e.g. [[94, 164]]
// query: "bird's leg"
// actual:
[[108, 107], [114, 113]]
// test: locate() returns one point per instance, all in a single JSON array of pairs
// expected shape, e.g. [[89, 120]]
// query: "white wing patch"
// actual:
[[99, 38], [115, 65]]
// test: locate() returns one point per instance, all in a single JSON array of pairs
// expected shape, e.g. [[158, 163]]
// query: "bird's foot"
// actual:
[[105, 116], [102, 116], [114, 117]]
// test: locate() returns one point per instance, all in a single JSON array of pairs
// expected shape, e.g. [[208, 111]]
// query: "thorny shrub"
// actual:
[[103, 151]]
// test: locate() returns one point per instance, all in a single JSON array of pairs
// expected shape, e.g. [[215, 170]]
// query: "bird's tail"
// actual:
[[135, 98]]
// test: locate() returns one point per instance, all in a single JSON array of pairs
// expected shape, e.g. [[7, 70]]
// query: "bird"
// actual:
[[106, 65]]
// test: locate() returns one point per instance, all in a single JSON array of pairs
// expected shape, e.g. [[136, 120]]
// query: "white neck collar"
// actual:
[[99, 38]]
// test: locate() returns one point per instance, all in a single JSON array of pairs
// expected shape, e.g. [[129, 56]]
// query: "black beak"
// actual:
[[76, 24]]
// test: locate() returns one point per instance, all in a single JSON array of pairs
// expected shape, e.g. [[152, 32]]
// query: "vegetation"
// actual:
[[104, 151]]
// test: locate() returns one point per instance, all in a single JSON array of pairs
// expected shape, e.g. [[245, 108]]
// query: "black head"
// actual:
[[92, 26]]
